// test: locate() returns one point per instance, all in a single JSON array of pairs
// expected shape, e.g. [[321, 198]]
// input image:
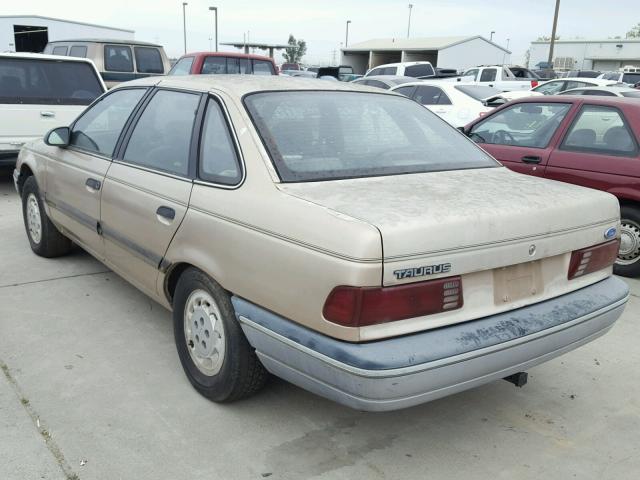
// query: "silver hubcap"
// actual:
[[34, 221], [629, 243], [204, 332]]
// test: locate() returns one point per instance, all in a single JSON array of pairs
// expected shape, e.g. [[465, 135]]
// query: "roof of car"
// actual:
[[239, 85], [591, 99], [108, 40], [598, 88], [42, 56], [386, 78], [228, 54], [597, 81]]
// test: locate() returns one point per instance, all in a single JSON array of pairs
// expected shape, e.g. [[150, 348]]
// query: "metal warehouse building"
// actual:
[[444, 52], [600, 55], [30, 33]]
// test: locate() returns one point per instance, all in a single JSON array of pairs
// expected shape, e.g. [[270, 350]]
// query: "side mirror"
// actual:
[[58, 137]]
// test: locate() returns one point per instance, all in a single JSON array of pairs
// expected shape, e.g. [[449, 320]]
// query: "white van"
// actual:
[[40, 92]]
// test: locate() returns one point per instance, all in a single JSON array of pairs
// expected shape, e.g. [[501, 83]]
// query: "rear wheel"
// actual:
[[45, 239], [215, 355], [628, 262]]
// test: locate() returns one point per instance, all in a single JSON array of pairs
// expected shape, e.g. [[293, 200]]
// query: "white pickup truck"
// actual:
[[500, 77]]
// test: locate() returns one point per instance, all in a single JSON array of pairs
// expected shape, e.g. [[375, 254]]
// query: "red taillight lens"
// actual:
[[534, 83], [360, 306], [592, 259]]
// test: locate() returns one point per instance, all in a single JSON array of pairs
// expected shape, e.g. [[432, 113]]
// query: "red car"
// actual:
[[586, 140], [211, 63]]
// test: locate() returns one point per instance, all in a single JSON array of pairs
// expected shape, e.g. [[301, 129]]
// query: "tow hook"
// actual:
[[518, 379]]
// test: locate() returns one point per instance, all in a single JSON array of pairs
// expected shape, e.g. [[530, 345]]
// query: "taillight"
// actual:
[[360, 306], [592, 259], [534, 83]]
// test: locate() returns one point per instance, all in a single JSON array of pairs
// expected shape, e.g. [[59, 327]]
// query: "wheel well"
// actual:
[[171, 280], [628, 203], [25, 172]]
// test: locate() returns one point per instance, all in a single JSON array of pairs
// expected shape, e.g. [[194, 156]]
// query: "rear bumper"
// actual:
[[405, 371]]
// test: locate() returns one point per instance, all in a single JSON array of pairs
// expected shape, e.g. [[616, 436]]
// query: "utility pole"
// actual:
[[184, 24], [553, 32], [409, 24], [215, 11], [491, 36], [346, 38]]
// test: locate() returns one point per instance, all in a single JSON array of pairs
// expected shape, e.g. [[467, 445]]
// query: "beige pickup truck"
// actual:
[[341, 237]]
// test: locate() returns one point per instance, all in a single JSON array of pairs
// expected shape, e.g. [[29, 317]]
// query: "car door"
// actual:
[[522, 135], [75, 174], [435, 100], [599, 150], [146, 191]]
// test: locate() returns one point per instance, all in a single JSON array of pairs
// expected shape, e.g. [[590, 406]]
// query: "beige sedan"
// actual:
[[341, 237]]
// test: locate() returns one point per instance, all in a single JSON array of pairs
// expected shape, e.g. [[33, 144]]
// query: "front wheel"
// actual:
[[628, 262], [215, 355]]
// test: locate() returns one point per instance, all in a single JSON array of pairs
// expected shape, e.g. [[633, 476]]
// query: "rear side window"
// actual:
[[428, 95], [218, 158], [375, 71], [406, 91], [60, 51], [98, 129], [262, 67], [162, 136], [79, 51], [600, 129], [214, 66], [376, 83], [148, 60], [631, 78], [422, 70], [488, 75], [182, 67], [47, 82], [117, 58], [522, 125]]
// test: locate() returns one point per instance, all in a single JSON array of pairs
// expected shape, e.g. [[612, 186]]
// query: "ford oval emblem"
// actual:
[[610, 233]]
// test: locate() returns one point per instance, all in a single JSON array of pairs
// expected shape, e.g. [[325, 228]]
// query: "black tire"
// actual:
[[51, 243], [630, 219], [241, 373]]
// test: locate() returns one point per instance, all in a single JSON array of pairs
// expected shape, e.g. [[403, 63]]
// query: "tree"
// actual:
[[634, 32], [296, 50], [527, 58], [546, 38]]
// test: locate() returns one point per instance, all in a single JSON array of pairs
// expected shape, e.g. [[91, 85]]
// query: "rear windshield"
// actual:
[[420, 70], [478, 92], [47, 82], [148, 60], [631, 78], [314, 136]]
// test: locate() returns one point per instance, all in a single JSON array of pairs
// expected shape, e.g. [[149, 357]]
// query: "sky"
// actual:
[[322, 23]]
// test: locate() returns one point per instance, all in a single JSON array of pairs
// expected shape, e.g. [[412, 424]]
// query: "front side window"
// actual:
[[48, 82], [523, 125], [148, 60], [420, 70], [429, 95], [79, 51], [488, 75], [98, 129], [551, 88], [117, 58], [214, 66], [182, 66], [162, 136], [600, 129], [60, 51], [313, 136], [218, 158], [262, 67], [375, 71]]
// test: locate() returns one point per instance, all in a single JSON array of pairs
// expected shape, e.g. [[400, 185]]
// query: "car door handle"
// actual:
[[166, 212], [47, 114], [531, 159], [93, 184]]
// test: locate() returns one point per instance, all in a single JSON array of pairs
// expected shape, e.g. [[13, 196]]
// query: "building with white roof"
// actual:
[[457, 52]]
